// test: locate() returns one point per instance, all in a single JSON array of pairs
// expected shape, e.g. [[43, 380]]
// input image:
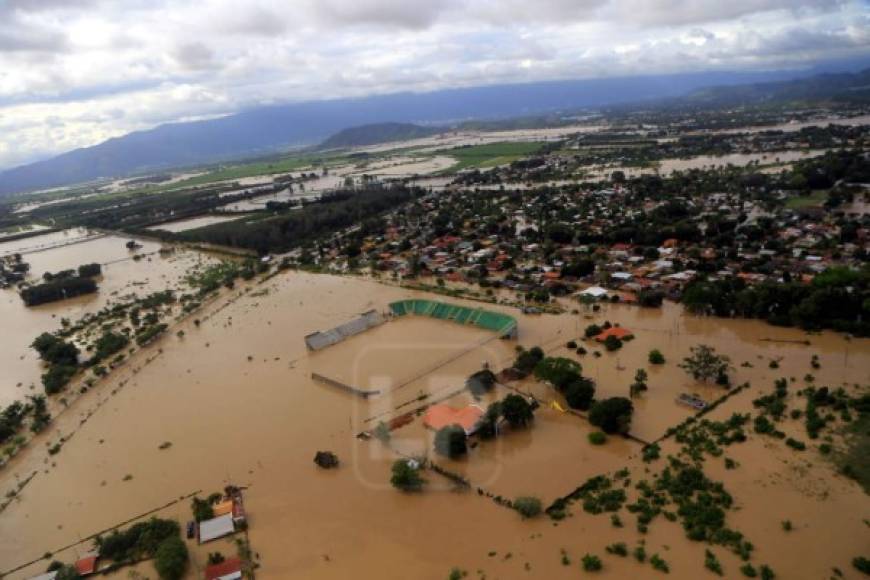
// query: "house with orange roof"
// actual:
[[617, 331], [441, 415]]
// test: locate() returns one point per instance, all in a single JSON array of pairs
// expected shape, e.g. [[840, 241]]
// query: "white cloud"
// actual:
[[75, 72]]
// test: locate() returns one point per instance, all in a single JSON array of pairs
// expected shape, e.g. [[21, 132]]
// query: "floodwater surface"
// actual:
[[235, 398]]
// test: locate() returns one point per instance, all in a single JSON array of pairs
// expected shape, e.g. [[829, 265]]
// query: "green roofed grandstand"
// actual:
[[503, 324]]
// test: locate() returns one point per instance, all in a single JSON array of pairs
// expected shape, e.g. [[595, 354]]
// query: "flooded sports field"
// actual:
[[234, 398]]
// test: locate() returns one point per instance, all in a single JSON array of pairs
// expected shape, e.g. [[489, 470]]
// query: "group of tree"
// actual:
[[838, 298], [62, 360], [295, 228], [612, 415], [527, 360], [57, 289], [705, 364], [156, 538], [565, 376]]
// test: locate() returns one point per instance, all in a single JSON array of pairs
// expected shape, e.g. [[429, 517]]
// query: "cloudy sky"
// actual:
[[76, 72]]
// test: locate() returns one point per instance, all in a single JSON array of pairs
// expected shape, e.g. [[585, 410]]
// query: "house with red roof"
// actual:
[[87, 565], [229, 569]]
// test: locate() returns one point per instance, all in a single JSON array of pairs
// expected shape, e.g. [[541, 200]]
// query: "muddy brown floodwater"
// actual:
[[235, 398], [123, 276]]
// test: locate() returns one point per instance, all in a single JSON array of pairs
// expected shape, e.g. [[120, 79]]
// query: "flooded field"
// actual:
[[192, 223], [14, 231], [45, 241], [123, 275], [235, 398], [769, 162]]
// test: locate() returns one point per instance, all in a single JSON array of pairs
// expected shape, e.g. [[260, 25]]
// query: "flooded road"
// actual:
[[235, 398]]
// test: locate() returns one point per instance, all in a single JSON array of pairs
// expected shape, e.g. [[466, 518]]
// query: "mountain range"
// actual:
[[274, 128]]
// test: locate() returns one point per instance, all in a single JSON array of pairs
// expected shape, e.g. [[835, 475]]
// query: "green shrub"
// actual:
[[580, 393], [711, 562], [639, 554], [591, 563], [406, 476], [171, 558], [656, 357], [597, 438], [528, 506], [612, 343], [659, 564], [862, 564], [651, 452], [612, 415], [617, 549], [451, 441]]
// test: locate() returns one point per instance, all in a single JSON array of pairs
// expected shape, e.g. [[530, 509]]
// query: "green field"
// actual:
[[491, 155], [814, 199]]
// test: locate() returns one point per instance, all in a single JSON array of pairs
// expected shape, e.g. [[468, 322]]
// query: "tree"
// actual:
[[65, 572], [612, 415], [579, 268], [481, 382], [558, 371], [704, 364], [517, 411], [639, 384], [202, 509], [487, 427], [612, 343], [54, 350], [451, 441], [656, 357], [592, 330], [528, 506], [170, 561], [406, 475], [527, 360], [57, 377], [580, 393]]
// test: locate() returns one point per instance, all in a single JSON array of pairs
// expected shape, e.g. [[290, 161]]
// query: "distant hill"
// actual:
[[842, 87], [269, 129], [377, 133]]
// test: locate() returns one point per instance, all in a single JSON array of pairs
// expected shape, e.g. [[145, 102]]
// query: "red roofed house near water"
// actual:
[[229, 569], [441, 415], [617, 331], [86, 565]]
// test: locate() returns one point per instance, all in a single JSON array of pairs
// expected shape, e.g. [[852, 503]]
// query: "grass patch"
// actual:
[[814, 199], [490, 155], [854, 462]]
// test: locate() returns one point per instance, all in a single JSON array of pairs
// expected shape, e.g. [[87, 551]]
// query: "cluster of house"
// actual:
[[229, 516], [528, 243]]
